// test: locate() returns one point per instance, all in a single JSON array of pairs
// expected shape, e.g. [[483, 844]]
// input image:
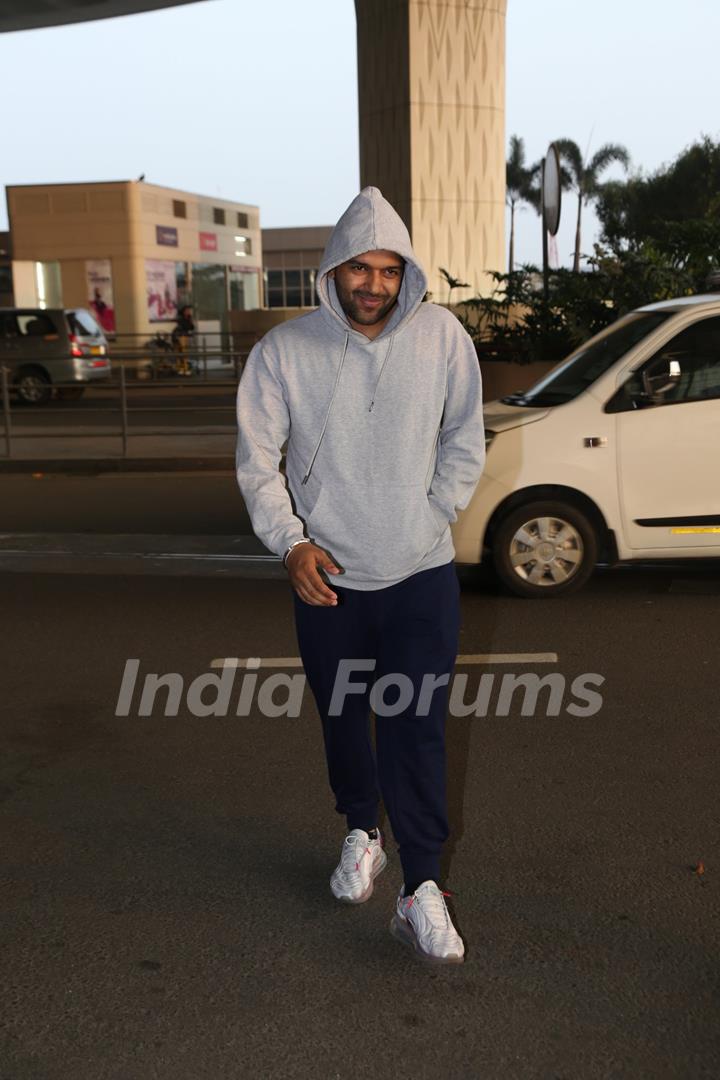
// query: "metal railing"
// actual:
[[130, 375], [206, 351]]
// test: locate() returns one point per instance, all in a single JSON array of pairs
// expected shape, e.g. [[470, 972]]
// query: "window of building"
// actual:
[[242, 220], [218, 216], [290, 288], [244, 290], [274, 288], [243, 245], [182, 283], [293, 292], [179, 208], [209, 299]]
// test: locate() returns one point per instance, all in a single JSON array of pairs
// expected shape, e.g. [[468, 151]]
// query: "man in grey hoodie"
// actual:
[[378, 398]]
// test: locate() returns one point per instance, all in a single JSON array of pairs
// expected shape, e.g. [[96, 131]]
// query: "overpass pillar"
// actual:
[[431, 81]]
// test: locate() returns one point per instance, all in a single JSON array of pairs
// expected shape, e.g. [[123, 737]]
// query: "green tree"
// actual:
[[520, 186], [583, 177], [514, 323], [675, 211]]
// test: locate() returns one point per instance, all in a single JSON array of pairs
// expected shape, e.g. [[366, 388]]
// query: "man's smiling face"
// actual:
[[367, 288]]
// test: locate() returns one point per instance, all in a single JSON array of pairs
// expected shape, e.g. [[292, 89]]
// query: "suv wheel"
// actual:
[[545, 549], [33, 387]]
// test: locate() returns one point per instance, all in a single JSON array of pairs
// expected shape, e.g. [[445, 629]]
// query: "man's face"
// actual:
[[367, 288]]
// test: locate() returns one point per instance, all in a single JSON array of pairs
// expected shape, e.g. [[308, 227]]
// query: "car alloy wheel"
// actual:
[[545, 548], [546, 551]]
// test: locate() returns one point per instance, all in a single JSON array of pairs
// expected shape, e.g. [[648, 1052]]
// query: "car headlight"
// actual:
[[489, 436]]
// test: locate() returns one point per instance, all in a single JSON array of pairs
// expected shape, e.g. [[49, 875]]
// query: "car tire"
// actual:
[[32, 387], [544, 549]]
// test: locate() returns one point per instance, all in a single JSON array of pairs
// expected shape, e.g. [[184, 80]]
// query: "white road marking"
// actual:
[[255, 662], [509, 658]]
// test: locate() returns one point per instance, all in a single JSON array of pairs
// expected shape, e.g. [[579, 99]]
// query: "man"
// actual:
[[378, 396]]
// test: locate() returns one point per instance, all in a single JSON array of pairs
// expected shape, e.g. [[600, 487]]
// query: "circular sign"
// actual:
[[551, 190]]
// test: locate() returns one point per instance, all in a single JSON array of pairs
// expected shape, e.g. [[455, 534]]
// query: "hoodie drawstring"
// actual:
[[377, 381], [306, 477]]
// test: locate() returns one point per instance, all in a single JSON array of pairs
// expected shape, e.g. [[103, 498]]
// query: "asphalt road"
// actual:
[[193, 504], [166, 910]]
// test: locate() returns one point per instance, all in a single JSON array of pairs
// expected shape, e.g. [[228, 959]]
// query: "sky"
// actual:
[[257, 102]]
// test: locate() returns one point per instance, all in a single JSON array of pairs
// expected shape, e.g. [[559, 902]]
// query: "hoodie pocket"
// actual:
[[438, 518], [376, 534]]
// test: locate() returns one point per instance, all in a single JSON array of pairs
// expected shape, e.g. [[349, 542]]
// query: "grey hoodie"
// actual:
[[385, 438]]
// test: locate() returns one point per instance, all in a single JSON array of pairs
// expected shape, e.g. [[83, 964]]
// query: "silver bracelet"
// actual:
[[304, 540]]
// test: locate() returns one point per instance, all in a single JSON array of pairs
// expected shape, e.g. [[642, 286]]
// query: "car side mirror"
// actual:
[[660, 377]]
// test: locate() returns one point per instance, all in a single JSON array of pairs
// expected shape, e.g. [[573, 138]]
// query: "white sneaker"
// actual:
[[361, 860], [423, 921]]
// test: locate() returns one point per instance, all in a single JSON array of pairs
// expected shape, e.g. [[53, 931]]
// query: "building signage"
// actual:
[[208, 241], [243, 268], [161, 290], [166, 235], [99, 292]]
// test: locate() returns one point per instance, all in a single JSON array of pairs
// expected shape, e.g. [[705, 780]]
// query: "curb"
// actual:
[[138, 553]]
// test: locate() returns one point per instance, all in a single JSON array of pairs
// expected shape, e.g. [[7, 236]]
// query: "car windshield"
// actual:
[[572, 377]]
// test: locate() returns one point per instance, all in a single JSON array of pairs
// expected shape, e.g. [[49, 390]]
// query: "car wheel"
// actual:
[[33, 387], [544, 549]]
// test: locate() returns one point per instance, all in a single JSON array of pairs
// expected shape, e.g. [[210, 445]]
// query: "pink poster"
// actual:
[[98, 275], [161, 289]]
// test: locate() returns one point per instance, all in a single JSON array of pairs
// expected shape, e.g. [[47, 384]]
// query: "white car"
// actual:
[[613, 456]]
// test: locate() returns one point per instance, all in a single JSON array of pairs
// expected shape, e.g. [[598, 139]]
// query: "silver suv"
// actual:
[[51, 350]]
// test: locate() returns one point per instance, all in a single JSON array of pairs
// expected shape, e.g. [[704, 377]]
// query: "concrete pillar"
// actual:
[[431, 79]]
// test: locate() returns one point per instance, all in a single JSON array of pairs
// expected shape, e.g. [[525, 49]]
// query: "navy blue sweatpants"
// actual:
[[410, 631]]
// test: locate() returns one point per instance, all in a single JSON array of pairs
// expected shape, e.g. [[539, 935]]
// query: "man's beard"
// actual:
[[351, 306]]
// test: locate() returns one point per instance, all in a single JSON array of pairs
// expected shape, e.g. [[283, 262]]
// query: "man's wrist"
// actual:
[[292, 547]]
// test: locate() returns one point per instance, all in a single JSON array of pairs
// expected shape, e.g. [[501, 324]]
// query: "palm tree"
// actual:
[[584, 177], [520, 186]]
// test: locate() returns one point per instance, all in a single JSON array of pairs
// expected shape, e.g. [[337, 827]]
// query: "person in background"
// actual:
[[181, 338]]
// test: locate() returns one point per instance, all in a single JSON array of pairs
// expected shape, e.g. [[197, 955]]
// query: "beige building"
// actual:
[[135, 252], [291, 259], [431, 79]]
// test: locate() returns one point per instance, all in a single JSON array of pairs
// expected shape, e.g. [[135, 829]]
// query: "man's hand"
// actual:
[[302, 566]]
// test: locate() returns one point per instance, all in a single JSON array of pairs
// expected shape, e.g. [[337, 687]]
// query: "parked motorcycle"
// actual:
[[168, 357]]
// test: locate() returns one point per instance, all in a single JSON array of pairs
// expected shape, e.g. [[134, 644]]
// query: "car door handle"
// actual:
[[595, 440]]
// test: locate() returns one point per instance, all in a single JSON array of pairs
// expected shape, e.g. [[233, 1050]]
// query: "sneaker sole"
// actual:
[[368, 892], [402, 931]]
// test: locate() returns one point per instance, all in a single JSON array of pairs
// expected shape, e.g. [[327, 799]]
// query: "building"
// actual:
[[134, 252], [291, 259]]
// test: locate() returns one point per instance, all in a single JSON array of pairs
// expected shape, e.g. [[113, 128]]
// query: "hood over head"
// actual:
[[370, 223]]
